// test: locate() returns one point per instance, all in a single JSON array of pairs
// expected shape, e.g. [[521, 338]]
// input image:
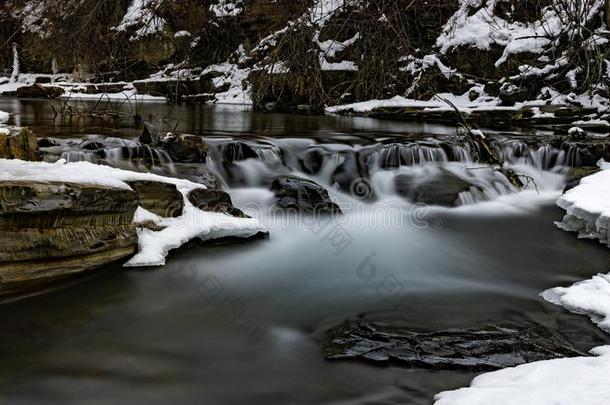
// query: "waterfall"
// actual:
[[16, 67]]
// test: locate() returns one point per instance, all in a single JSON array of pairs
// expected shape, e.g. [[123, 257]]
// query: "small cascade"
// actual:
[[79, 156], [544, 157], [396, 155], [269, 154], [431, 171]]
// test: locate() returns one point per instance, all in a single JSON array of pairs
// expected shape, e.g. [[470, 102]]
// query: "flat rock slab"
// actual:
[[489, 347]]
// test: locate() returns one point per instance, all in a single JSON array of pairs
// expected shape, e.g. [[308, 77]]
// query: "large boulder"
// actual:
[[22, 145], [185, 148], [302, 195], [443, 188], [49, 231]]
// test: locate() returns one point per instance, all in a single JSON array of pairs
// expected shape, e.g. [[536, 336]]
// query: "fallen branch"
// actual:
[[482, 151]]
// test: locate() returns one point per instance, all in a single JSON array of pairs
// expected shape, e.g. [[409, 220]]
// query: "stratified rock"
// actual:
[[150, 135], [441, 189], [23, 145], [39, 91], [486, 348], [162, 199], [302, 195], [49, 231], [214, 201], [186, 148]]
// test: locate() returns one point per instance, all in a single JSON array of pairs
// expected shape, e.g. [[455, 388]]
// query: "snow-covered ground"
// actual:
[[579, 380], [153, 245]]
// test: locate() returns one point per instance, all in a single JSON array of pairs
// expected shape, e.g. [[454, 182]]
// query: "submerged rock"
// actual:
[[302, 195], [50, 230], [488, 347]]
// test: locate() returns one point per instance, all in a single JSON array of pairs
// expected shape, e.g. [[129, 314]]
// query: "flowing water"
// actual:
[[239, 323]]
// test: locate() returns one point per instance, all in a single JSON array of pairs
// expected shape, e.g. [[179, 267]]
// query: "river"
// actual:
[[240, 323]]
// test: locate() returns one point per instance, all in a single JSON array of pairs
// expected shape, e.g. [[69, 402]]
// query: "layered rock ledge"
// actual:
[[62, 219]]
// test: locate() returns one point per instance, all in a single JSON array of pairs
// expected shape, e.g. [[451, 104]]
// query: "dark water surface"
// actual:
[[236, 324]]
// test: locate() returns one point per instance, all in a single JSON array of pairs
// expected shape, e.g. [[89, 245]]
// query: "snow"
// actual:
[[587, 206], [140, 14], [590, 297], [153, 245], [227, 8], [484, 30], [323, 10], [579, 380], [130, 94], [239, 91]]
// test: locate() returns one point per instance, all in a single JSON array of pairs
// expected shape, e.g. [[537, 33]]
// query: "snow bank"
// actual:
[[154, 245], [580, 380], [590, 297], [588, 206]]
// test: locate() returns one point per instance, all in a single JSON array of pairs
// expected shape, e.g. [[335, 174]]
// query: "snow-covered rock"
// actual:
[[587, 206], [154, 245]]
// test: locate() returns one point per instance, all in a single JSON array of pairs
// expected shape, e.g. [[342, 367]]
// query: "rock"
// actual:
[[150, 135], [47, 142], [353, 175], [236, 151], [186, 148], [302, 195], [23, 145], [576, 174], [150, 225], [443, 188], [198, 173], [49, 231], [488, 347], [39, 91], [162, 199], [312, 161], [214, 201]]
